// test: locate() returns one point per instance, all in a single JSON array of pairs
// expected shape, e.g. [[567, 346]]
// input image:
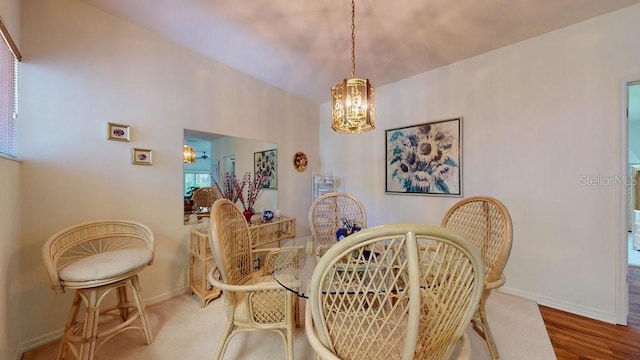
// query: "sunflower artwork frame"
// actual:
[[265, 163], [425, 159]]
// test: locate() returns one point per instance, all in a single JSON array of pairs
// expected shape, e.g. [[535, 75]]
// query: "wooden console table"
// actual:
[[201, 262]]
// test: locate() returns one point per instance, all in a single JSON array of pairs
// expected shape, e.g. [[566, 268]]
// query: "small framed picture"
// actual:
[[141, 156], [118, 132]]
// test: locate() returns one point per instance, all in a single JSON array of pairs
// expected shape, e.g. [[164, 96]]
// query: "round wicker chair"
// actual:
[[205, 197], [485, 222], [398, 291], [326, 216], [94, 259], [252, 300]]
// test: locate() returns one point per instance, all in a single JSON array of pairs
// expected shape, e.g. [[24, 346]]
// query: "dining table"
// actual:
[[293, 267]]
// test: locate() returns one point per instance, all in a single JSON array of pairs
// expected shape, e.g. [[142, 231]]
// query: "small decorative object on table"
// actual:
[[348, 228], [248, 214], [267, 215]]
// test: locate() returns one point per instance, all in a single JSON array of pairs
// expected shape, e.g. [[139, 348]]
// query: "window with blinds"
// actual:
[[9, 56]]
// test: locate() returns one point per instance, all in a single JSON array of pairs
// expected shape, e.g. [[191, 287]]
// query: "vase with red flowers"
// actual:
[[254, 188]]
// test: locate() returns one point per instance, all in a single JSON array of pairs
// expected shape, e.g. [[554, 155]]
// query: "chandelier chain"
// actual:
[[353, 38]]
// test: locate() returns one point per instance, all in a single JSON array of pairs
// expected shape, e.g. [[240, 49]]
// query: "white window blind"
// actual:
[[9, 56]]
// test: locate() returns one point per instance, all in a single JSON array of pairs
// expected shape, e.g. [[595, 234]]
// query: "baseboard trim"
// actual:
[[56, 334], [563, 306]]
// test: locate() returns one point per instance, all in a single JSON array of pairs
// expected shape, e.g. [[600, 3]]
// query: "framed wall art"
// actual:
[[425, 159], [141, 156], [265, 163], [118, 132]]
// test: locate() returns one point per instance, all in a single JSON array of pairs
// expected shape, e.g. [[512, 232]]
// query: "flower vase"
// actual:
[[248, 214]]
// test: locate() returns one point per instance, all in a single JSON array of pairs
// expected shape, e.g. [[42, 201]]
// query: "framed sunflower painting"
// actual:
[[425, 159], [265, 164]]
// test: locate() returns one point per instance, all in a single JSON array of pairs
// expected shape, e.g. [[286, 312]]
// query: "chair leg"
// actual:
[[73, 316], [137, 295], [90, 331], [481, 326], [123, 303], [292, 303], [289, 343], [222, 346], [296, 311]]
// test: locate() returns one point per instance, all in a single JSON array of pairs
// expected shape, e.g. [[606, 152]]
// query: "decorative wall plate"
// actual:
[[300, 161]]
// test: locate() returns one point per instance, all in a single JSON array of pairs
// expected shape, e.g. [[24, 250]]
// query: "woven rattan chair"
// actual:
[[205, 197], [485, 222], [253, 300], [94, 259], [326, 216], [400, 291]]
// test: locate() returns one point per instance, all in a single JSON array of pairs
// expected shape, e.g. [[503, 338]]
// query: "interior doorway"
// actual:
[[632, 103], [633, 163]]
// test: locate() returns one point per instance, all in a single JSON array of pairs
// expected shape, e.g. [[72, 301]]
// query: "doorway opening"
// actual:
[[633, 165], [633, 203]]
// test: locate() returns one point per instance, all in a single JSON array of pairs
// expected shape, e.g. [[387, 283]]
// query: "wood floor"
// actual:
[[576, 337]]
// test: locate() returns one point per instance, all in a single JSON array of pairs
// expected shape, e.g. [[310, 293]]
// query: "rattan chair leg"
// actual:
[[61, 348], [123, 303], [289, 343], [296, 311], [142, 312], [73, 315], [90, 331], [226, 336], [481, 326]]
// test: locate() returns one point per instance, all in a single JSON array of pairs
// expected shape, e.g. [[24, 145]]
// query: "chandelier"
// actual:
[[352, 99], [188, 154]]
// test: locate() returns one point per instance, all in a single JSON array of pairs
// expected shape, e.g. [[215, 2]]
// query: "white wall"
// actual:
[[9, 221], [540, 118], [82, 68], [9, 250]]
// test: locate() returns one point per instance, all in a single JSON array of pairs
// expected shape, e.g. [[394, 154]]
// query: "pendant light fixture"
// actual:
[[352, 100], [188, 154]]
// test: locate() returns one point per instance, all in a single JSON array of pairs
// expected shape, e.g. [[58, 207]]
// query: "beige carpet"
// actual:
[[184, 331]]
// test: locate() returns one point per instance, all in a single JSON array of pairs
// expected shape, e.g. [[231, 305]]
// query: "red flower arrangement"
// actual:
[[254, 190], [228, 187], [233, 190]]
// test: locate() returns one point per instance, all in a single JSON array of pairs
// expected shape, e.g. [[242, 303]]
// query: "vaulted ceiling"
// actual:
[[304, 46]]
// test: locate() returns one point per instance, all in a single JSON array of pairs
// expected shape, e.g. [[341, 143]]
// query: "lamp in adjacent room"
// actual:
[[188, 154], [352, 99]]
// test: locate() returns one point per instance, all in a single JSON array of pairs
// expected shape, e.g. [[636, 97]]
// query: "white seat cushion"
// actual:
[[106, 265]]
